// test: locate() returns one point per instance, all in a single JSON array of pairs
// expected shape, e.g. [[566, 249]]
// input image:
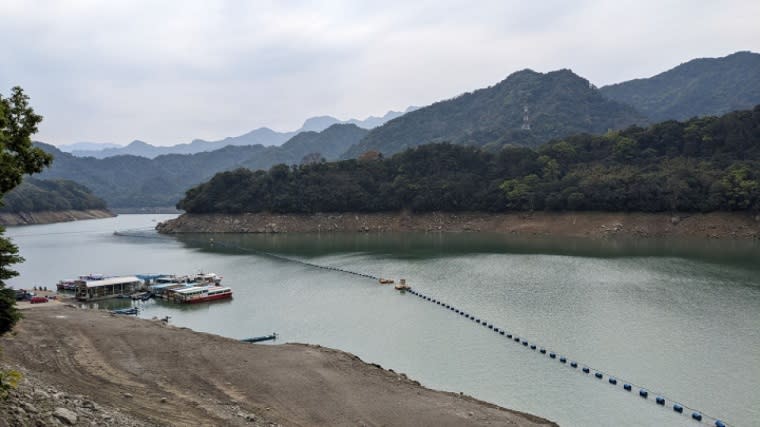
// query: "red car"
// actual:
[[36, 300]]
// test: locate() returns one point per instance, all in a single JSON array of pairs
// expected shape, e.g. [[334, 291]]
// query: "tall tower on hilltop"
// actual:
[[526, 119]]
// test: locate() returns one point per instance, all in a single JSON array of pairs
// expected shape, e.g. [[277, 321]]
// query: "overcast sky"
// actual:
[[169, 71]]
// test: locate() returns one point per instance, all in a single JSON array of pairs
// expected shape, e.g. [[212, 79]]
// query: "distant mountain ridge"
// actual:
[[559, 103], [135, 181], [261, 136], [700, 87], [84, 146]]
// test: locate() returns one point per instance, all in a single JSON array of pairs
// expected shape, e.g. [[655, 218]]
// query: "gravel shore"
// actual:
[[562, 224], [88, 367]]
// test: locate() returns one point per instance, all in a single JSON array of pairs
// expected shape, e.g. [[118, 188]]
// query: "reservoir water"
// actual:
[[681, 318]]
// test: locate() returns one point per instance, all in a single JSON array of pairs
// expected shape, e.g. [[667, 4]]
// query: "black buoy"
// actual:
[[562, 359], [574, 364], [509, 335], [697, 416], [627, 387], [598, 375], [477, 320], [543, 351], [532, 346], [613, 381], [502, 332], [660, 400], [678, 408], [552, 355], [643, 393], [719, 423], [586, 370], [517, 339]]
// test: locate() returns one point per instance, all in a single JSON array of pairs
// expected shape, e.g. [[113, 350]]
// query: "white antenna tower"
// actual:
[[526, 119]]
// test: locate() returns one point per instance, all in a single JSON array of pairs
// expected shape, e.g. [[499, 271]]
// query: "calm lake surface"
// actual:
[[680, 318]]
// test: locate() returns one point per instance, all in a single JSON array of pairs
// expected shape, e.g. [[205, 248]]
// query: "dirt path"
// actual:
[[175, 376]]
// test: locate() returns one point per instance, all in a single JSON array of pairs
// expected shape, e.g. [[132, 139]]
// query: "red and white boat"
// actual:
[[198, 294]]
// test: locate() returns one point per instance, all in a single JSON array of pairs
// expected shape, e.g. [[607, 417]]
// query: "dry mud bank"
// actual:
[[575, 224], [142, 372]]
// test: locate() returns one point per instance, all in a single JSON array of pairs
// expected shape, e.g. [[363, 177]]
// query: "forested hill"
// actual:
[[132, 181], [704, 164], [708, 86], [36, 195], [559, 103]]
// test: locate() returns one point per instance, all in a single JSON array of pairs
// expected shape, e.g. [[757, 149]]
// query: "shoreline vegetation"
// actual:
[[732, 225], [148, 372], [50, 217]]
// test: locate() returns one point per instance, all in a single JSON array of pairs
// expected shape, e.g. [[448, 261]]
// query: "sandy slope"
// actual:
[[132, 365]]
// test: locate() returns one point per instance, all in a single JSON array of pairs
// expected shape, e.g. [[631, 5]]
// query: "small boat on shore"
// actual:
[[126, 311], [271, 337]]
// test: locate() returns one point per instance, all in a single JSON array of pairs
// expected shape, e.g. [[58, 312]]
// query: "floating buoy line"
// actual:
[[627, 386]]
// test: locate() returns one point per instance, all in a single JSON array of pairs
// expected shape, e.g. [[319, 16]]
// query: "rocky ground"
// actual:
[[570, 224], [88, 367], [48, 217]]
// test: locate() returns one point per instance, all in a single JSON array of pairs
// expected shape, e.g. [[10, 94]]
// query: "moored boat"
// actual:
[[198, 294]]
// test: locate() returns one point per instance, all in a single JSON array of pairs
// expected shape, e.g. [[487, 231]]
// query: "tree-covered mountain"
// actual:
[[559, 103], [700, 87], [35, 195], [133, 181], [261, 136], [704, 164]]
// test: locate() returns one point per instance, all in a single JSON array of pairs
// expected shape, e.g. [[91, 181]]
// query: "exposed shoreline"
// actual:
[[731, 225], [148, 372], [49, 217]]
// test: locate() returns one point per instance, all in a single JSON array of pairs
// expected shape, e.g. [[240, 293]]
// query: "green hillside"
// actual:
[[559, 103], [35, 195], [704, 164], [700, 87]]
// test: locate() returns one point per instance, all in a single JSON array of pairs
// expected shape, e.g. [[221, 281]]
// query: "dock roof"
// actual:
[[111, 281]]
